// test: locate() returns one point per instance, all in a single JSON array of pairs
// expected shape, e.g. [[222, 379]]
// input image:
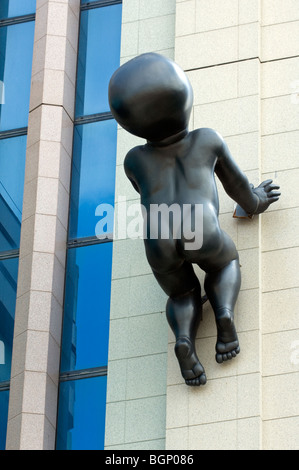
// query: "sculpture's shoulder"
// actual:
[[208, 137], [135, 160], [132, 157]]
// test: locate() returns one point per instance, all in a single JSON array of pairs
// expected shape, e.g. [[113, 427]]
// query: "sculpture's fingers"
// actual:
[[265, 183], [271, 187], [273, 194]]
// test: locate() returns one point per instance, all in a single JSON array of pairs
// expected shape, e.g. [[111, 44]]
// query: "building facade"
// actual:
[[86, 355]]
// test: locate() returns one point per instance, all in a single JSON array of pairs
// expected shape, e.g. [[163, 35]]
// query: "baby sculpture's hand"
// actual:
[[267, 194]]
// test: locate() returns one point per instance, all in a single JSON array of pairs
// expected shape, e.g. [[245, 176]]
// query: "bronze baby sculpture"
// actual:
[[151, 97]]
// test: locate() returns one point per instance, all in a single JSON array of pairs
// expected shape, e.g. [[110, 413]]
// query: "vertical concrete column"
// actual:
[[37, 336], [280, 224], [218, 45]]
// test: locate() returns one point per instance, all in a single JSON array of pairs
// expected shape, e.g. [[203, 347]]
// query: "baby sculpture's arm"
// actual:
[[236, 184]]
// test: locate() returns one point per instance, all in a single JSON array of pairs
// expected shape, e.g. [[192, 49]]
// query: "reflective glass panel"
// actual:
[[87, 307], [16, 48], [99, 53], [93, 176], [81, 414], [11, 8], [12, 171], [4, 397], [8, 293]]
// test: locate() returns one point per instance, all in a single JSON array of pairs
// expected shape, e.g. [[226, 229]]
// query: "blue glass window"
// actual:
[[11, 8], [87, 307], [4, 396], [81, 414], [8, 294], [16, 49], [93, 175], [12, 157], [99, 49]]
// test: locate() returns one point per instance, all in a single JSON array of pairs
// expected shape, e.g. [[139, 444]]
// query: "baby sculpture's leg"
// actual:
[[184, 312], [222, 287]]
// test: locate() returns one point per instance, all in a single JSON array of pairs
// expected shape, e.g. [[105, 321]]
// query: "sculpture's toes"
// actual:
[[226, 351]]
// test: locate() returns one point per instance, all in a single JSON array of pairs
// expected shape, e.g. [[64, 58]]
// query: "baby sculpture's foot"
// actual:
[[191, 369], [227, 346]]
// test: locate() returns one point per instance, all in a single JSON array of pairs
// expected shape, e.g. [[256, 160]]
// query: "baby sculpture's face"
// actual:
[[151, 97]]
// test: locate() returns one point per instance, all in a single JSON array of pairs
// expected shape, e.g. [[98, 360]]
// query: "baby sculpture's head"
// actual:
[[151, 97]]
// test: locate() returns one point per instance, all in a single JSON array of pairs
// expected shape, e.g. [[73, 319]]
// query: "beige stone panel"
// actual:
[[46, 199], [249, 261], [285, 179], [151, 376], [39, 51], [279, 269], [152, 411], [129, 42], [25, 263], [13, 435], [231, 117], [177, 438], [280, 41], [280, 396], [280, 310], [31, 402], [126, 142], [245, 435], [133, 252], [177, 411], [249, 41], [55, 54], [57, 18], [248, 233], [206, 49], [280, 151], [249, 12], [279, 114], [279, 77], [36, 433], [54, 162], [21, 313], [280, 229], [156, 34], [27, 236], [51, 123], [185, 18], [34, 127], [63, 205], [130, 11], [224, 399], [279, 11], [15, 396], [247, 310], [115, 423], [214, 83], [281, 434], [248, 77], [216, 14], [280, 352], [45, 233], [155, 8], [58, 90], [245, 150]]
